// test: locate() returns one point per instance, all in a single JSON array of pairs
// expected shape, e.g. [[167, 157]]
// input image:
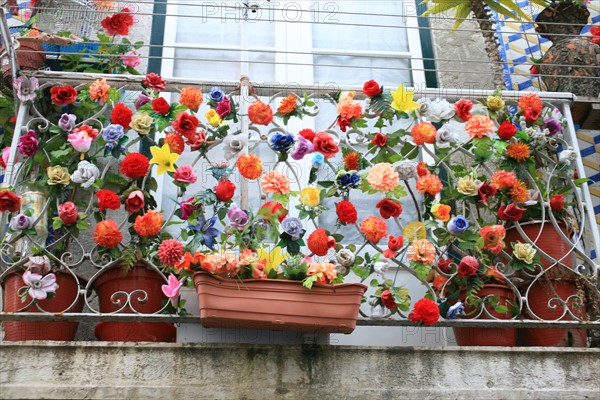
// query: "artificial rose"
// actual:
[[214, 119], [444, 265], [524, 252], [67, 122], [58, 175], [130, 59], [531, 115], [557, 202], [495, 103], [155, 82], [389, 208], [387, 299], [161, 106], [80, 141], [271, 208], [345, 258], [302, 148], [325, 144], [468, 266], [379, 140], [512, 212], [310, 196], [5, 156], [216, 94], [38, 265], [67, 212], [21, 222], [188, 207], [28, 144], [484, 192], [492, 238], [238, 218], [281, 142], [118, 24], [346, 212], [458, 225], [463, 109], [441, 211], [371, 88], [293, 227], [466, 185], [260, 113], [141, 123], [185, 124], [86, 174], [425, 310], [233, 145], [223, 108], [63, 94], [507, 130], [225, 190], [185, 174], [134, 202]]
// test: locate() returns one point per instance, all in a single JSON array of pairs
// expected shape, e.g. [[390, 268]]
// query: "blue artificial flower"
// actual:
[[318, 159], [347, 180], [216, 94], [112, 134], [293, 227], [282, 141], [458, 225], [207, 230], [455, 311]]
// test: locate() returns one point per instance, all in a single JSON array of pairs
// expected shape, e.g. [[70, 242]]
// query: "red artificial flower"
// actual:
[[484, 192], [533, 70], [134, 202], [67, 212], [161, 106], [379, 140], [512, 212], [155, 82], [425, 310], [119, 23], [185, 124], [444, 265], [463, 109], [308, 134], [531, 115], [395, 243], [389, 208], [346, 212], [135, 165], [63, 94], [422, 169], [372, 88], [507, 130], [468, 266], [387, 299], [318, 242], [148, 224], [325, 144], [108, 199], [225, 190], [271, 208], [175, 142], [557, 202], [121, 115], [9, 201]]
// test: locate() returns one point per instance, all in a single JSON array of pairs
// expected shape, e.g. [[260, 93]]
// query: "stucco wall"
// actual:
[[221, 371]]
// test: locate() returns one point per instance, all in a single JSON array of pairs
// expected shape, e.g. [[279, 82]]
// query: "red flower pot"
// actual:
[[558, 282], [66, 294], [135, 282], [488, 336], [277, 304]]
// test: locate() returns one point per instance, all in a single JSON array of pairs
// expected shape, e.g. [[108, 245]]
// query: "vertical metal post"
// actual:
[[12, 158], [244, 122]]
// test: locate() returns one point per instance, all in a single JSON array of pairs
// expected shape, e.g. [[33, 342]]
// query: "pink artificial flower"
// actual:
[[39, 286], [185, 174], [131, 59], [80, 141], [172, 289], [5, 157]]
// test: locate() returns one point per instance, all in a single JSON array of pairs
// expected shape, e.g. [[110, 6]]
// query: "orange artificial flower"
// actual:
[[260, 113], [191, 98], [518, 151], [429, 184], [190, 260], [326, 269], [250, 166], [492, 272], [351, 161], [374, 229], [479, 126], [288, 105], [148, 224], [383, 177], [518, 192], [107, 234], [99, 90], [492, 238], [423, 132], [275, 182], [175, 142], [503, 179], [318, 242], [348, 108], [441, 212], [530, 101], [438, 282], [422, 250]]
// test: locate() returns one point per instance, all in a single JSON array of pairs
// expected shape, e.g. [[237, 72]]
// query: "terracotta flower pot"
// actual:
[[138, 279], [277, 304], [66, 294], [558, 282], [488, 336]]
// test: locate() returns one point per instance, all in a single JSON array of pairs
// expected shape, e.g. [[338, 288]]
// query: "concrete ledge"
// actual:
[[232, 371]]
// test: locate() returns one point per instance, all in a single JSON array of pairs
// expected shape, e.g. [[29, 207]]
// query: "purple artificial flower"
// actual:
[[237, 217], [303, 147], [112, 134], [20, 222], [142, 99], [28, 144], [67, 122], [293, 227], [26, 88], [224, 108], [552, 125], [216, 94], [38, 286]]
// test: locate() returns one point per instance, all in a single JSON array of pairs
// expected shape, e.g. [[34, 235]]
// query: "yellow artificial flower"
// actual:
[[213, 118], [274, 258], [58, 175], [310, 196], [164, 158], [403, 100], [415, 231], [466, 185]]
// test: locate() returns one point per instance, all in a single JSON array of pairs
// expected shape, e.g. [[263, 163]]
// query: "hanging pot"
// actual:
[[66, 294], [139, 288]]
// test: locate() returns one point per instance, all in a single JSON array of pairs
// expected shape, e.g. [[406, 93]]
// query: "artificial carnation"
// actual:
[[250, 166], [383, 177], [318, 242], [108, 200], [374, 229], [107, 234], [134, 165], [346, 212], [275, 182], [425, 310], [429, 184], [148, 224]]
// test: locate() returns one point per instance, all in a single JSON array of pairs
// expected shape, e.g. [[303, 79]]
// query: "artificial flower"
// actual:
[[458, 225], [172, 289], [507, 130], [379, 140], [130, 59], [426, 311], [62, 95], [148, 224], [423, 132], [121, 115], [191, 98], [302, 148], [21, 222], [134, 202], [134, 165], [119, 23], [467, 185], [107, 234], [441, 211], [186, 124], [141, 123], [524, 252], [67, 122], [557, 202], [164, 158], [38, 287], [38, 264], [468, 266], [383, 177], [260, 113], [161, 106], [429, 184], [108, 200], [325, 144], [85, 174], [275, 182], [99, 90], [511, 212], [494, 103], [492, 238], [80, 141], [372, 88], [310, 196], [288, 105], [281, 142], [250, 166], [326, 271], [518, 151], [233, 145], [503, 179], [185, 174], [293, 227], [28, 144], [273, 208], [223, 108], [479, 126], [67, 212], [351, 161], [463, 109], [422, 250], [374, 229], [346, 212], [154, 82], [58, 175], [238, 218], [318, 242], [26, 88], [175, 142], [403, 100], [225, 190], [170, 252], [389, 208]]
